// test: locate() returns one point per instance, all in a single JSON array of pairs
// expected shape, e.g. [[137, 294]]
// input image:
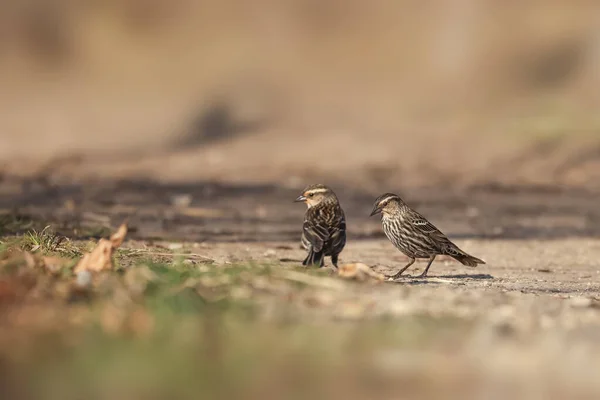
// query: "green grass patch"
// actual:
[[173, 327], [224, 353]]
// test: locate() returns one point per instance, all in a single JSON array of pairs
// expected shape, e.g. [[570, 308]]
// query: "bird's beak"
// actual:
[[300, 198], [376, 210]]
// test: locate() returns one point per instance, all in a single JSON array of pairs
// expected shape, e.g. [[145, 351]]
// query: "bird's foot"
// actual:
[[393, 277], [423, 275]]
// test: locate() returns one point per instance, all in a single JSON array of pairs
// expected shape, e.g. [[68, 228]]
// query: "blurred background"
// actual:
[[402, 92], [199, 121]]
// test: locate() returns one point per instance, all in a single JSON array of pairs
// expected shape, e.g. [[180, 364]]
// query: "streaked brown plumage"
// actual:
[[324, 228], [414, 236]]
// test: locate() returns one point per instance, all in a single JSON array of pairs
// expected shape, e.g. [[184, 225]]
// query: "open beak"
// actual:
[[300, 198], [376, 210]]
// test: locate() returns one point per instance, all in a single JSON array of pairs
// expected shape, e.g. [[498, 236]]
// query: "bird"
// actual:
[[324, 227], [414, 235]]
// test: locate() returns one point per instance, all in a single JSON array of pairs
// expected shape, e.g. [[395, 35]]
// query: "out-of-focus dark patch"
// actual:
[[216, 123], [42, 30], [553, 66]]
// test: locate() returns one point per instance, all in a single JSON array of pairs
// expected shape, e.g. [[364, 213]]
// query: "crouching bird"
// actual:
[[324, 228], [414, 236]]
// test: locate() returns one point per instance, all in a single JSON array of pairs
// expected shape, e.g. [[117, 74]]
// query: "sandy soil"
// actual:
[[529, 318], [533, 312], [211, 151]]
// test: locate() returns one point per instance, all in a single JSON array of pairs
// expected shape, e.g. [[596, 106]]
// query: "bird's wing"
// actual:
[[337, 230], [426, 227], [445, 246], [315, 231]]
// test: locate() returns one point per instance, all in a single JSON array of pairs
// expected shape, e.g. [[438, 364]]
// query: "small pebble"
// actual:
[[83, 279]]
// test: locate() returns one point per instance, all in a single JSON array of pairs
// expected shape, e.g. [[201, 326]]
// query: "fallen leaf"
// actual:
[[118, 237], [100, 259], [360, 272]]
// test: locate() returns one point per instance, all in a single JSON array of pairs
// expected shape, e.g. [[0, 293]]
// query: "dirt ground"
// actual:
[[526, 323], [529, 318], [205, 125], [534, 309]]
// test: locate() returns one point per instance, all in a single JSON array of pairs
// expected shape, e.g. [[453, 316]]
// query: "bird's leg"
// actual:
[[334, 260], [318, 259], [424, 274], [305, 262], [310, 259], [411, 262]]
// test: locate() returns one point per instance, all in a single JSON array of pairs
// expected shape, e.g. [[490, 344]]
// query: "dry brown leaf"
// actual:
[[118, 237], [100, 259], [360, 272]]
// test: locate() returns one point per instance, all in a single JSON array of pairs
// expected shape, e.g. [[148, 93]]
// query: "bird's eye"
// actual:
[[311, 194]]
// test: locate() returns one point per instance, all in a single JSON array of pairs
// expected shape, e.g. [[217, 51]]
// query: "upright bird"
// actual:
[[324, 228], [414, 236]]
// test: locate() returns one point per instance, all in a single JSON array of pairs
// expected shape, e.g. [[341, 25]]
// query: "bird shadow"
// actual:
[[465, 276], [290, 260], [417, 280]]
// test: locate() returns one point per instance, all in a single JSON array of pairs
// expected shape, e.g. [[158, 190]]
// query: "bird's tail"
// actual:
[[314, 258], [468, 260]]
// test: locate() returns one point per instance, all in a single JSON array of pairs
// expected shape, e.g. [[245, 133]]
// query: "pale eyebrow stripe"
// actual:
[[385, 199], [317, 191]]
